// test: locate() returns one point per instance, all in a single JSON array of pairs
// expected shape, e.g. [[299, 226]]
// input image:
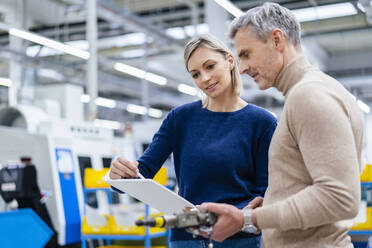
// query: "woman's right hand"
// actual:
[[122, 168]]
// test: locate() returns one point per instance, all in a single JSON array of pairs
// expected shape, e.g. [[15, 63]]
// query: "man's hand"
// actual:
[[255, 203], [122, 168], [230, 220]]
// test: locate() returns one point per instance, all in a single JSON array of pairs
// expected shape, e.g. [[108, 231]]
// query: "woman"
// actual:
[[219, 144]]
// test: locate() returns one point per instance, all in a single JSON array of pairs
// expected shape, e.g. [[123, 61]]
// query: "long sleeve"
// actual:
[[261, 161], [159, 149], [320, 125]]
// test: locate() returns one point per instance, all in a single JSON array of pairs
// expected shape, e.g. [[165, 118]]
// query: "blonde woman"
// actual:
[[219, 144]]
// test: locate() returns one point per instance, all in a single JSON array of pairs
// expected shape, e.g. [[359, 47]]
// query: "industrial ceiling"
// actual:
[[340, 46]]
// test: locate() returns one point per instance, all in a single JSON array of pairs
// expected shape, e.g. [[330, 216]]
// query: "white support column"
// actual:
[[194, 15], [144, 82], [216, 18], [92, 70], [16, 18]]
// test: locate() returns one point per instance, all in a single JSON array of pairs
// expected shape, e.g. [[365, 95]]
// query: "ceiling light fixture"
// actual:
[[49, 43], [133, 108], [136, 109], [6, 82], [324, 12], [133, 71], [230, 7], [156, 113], [105, 102], [187, 89], [107, 124], [141, 110]]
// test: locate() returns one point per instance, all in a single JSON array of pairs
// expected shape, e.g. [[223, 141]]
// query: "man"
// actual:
[[314, 156]]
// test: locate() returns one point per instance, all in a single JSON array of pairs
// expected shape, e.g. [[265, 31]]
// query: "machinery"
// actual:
[[60, 150], [19, 182], [58, 174], [192, 219], [52, 132]]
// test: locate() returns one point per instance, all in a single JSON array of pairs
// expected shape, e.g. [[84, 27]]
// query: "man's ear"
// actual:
[[278, 39]]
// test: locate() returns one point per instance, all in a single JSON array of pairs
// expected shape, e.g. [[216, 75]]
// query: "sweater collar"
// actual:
[[292, 74]]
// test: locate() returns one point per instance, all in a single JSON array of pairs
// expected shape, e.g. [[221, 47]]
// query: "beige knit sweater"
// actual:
[[314, 163]]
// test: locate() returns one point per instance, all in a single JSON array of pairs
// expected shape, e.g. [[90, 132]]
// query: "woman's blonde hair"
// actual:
[[214, 44]]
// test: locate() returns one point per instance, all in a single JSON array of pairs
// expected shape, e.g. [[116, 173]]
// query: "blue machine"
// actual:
[[22, 227], [58, 174]]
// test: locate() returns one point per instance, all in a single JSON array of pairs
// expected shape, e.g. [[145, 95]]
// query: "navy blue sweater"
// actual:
[[218, 156]]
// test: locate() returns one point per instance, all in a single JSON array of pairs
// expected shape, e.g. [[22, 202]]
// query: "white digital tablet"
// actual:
[[151, 193]]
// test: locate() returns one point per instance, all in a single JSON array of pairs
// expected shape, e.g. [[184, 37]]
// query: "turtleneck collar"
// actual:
[[292, 74]]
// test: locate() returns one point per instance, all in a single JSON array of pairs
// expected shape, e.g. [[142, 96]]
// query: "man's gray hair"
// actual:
[[264, 19]]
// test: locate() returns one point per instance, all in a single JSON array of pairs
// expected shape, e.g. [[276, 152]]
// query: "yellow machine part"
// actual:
[[94, 178], [162, 176], [366, 175], [365, 225], [86, 229], [133, 230]]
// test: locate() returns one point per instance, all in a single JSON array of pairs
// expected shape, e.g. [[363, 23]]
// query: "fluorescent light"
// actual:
[[133, 108], [176, 32], [50, 74], [156, 113], [187, 31], [5, 82], [136, 109], [202, 28], [361, 7], [230, 7], [133, 71], [325, 12], [36, 50], [49, 43], [187, 89], [133, 53], [107, 124], [105, 102], [85, 98], [155, 78], [363, 106], [133, 39], [141, 110]]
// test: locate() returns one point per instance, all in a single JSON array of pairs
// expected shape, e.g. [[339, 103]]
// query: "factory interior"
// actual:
[[85, 81]]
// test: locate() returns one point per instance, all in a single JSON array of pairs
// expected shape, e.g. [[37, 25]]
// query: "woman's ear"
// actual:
[[231, 61]]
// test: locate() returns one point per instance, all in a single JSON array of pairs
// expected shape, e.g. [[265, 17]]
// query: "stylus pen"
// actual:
[[140, 175]]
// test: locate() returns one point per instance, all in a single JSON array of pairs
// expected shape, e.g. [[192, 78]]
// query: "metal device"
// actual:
[[193, 219]]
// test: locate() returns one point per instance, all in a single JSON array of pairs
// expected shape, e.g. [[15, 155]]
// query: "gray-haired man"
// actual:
[[314, 156]]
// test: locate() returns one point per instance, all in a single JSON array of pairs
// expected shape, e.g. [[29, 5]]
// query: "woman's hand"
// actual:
[[122, 168]]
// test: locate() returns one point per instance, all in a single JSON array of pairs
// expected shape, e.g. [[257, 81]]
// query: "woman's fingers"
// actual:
[[122, 168]]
